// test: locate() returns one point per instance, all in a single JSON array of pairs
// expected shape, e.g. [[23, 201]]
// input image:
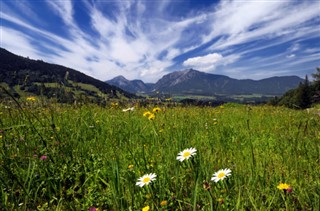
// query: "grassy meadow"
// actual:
[[66, 157]]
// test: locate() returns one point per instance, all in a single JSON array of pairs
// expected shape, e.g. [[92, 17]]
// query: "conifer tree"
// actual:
[[316, 75], [316, 86], [304, 94]]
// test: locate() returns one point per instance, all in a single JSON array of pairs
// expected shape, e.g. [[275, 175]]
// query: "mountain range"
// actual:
[[193, 82], [23, 77]]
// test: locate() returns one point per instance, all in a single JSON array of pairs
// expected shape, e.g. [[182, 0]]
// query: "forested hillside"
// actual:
[[23, 76], [306, 94]]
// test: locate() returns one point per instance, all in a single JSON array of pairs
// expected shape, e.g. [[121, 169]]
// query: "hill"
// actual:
[[306, 95], [24, 76]]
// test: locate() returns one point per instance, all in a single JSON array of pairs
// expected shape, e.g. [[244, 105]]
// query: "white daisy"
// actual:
[[186, 154], [128, 109], [221, 175], [146, 179]]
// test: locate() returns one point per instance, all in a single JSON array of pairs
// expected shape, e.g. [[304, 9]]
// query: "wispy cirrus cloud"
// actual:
[[17, 40], [142, 39], [240, 22], [64, 9], [251, 28]]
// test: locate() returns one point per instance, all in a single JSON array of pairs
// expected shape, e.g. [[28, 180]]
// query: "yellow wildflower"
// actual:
[[151, 117], [163, 203], [221, 201], [31, 99], [130, 166], [156, 110], [114, 104], [283, 186], [147, 113], [147, 208]]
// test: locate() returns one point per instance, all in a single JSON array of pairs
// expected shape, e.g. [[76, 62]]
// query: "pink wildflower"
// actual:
[[43, 157]]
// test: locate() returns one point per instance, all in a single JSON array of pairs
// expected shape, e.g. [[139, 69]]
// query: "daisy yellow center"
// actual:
[[145, 180], [186, 154], [221, 174]]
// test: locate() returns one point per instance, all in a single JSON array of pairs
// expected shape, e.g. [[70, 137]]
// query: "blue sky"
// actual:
[[145, 39]]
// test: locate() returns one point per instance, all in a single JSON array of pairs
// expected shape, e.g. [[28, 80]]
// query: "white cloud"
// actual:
[[238, 22], [235, 17], [105, 27], [204, 63], [12, 39], [294, 47], [116, 51], [291, 56], [312, 50], [260, 67], [154, 70], [123, 52], [140, 41], [151, 38], [64, 9], [173, 52]]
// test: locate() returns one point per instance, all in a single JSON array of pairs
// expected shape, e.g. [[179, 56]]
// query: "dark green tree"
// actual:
[[289, 99], [316, 75], [316, 86], [303, 96], [306, 94]]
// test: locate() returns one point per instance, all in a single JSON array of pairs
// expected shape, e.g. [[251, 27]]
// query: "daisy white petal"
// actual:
[[186, 154], [146, 179], [221, 175], [128, 109]]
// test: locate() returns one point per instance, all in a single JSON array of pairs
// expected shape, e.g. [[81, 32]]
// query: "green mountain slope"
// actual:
[[24, 77]]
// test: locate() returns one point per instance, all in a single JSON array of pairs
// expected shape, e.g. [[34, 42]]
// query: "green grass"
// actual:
[[208, 97], [87, 87], [5, 85], [96, 155], [196, 97]]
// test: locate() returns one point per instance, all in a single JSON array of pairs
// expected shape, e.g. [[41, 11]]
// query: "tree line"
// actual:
[[304, 96]]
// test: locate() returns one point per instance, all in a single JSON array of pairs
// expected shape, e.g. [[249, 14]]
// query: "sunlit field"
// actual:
[[67, 157]]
